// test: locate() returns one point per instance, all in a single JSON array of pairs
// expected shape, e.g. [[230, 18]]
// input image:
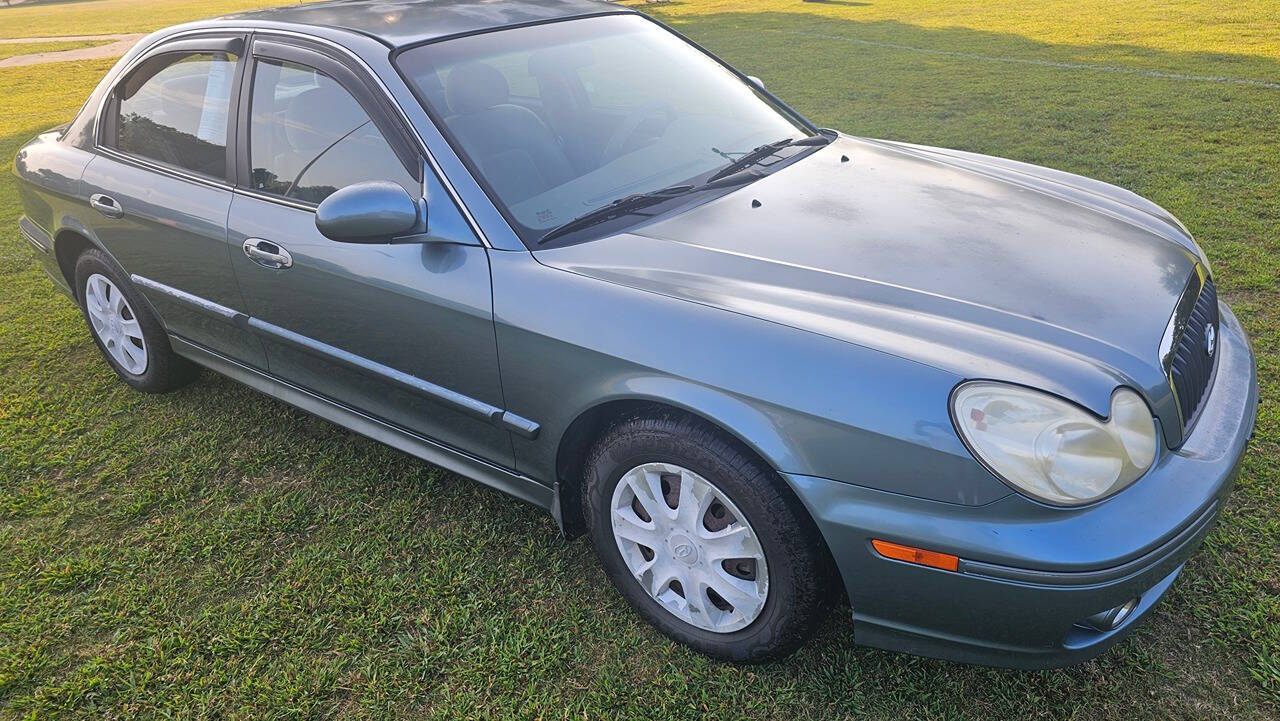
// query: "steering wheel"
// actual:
[[631, 123]]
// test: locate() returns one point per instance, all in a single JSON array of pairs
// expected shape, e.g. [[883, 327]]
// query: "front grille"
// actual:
[[1194, 355]]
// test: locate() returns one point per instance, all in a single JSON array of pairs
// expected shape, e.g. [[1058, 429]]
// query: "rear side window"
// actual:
[[308, 137], [173, 109]]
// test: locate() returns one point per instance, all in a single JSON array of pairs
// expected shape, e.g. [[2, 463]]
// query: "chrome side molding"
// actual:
[[472, 406]]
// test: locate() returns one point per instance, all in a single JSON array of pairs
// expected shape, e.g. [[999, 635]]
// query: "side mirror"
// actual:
[[372, 212], [758, 82]]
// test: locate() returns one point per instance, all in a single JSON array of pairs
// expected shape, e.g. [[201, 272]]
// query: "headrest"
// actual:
[[475, 86], [317, 117]]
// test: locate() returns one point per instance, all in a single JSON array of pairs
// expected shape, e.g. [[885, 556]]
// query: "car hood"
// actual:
[[985, 267]]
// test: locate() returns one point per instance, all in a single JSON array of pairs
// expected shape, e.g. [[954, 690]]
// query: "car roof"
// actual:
[[404, 22]]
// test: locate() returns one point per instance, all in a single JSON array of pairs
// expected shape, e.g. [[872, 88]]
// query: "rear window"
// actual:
[[173, 110]]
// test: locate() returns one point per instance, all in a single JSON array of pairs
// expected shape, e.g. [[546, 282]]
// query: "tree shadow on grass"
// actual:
[[42, 3], [844, 3]]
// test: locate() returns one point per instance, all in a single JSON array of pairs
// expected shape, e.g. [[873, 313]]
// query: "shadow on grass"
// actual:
[[845, 3], [31, 4], [995, 46]]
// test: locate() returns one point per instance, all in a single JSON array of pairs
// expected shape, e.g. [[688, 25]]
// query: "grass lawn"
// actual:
[[215, 553], [42, 18], [8, 50]]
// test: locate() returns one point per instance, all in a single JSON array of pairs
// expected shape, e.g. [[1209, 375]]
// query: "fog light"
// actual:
[[1113, 618]]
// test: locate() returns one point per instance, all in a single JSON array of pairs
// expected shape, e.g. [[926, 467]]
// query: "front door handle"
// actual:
[[267, 254], [106, 205]]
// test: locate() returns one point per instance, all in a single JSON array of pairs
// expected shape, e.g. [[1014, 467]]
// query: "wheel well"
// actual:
[[593, 423], [578, 438], [68, 245], [587, 428]]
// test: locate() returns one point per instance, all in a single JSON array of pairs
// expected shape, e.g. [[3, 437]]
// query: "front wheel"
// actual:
[[704, 540]]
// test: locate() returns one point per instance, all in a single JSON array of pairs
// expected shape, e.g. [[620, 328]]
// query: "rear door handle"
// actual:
[[267, 254], [106, 205]]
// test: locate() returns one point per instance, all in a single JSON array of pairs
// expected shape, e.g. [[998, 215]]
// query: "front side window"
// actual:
[[562, 118], [308, 137], [173, 109]]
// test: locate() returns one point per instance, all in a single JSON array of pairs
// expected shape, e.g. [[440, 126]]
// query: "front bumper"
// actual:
[[1030, 574]]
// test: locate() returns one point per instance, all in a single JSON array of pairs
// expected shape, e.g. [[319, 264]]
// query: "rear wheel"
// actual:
[[704, 540], [128, 334]]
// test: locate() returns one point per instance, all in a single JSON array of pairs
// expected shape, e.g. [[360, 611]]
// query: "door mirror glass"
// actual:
[[376, 211]]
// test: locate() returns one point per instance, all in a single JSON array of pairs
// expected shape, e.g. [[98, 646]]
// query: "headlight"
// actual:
[[1053, 450]]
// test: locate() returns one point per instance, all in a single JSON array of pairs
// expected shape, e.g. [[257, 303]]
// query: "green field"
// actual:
[[8, 50], [87, 17], [213, 553]]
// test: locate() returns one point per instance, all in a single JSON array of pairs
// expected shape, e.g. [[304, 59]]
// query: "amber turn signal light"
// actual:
[[911, 554]]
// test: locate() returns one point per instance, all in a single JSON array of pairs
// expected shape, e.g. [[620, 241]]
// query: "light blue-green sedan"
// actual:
[[558, 248]]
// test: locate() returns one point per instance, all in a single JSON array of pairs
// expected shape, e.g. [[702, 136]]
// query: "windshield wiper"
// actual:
[[622, 206], [631, 203], [764, 151]]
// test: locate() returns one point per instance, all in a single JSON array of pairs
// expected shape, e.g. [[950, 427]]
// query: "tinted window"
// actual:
[[308, 137], [174, 109]]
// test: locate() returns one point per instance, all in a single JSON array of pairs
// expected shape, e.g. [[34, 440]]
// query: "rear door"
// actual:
[[160, 187], [403, 332]]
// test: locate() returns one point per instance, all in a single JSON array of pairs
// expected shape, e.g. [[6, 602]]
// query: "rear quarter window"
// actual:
[[173, 109]]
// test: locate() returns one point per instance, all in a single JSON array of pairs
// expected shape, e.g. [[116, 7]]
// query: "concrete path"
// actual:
[[121, 44]]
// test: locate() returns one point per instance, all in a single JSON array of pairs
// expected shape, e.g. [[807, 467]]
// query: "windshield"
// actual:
[[560, 119]]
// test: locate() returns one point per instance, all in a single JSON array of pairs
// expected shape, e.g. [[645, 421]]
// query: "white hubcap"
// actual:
[[689, 547], [115, 324]]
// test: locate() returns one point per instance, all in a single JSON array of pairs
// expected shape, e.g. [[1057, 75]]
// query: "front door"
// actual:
[[403, 332]]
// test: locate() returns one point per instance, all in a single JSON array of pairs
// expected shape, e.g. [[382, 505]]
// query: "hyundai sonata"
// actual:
[[560, 249]]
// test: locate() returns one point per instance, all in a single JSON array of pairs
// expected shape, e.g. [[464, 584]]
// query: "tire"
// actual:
[[125, 330], [797, 569]]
